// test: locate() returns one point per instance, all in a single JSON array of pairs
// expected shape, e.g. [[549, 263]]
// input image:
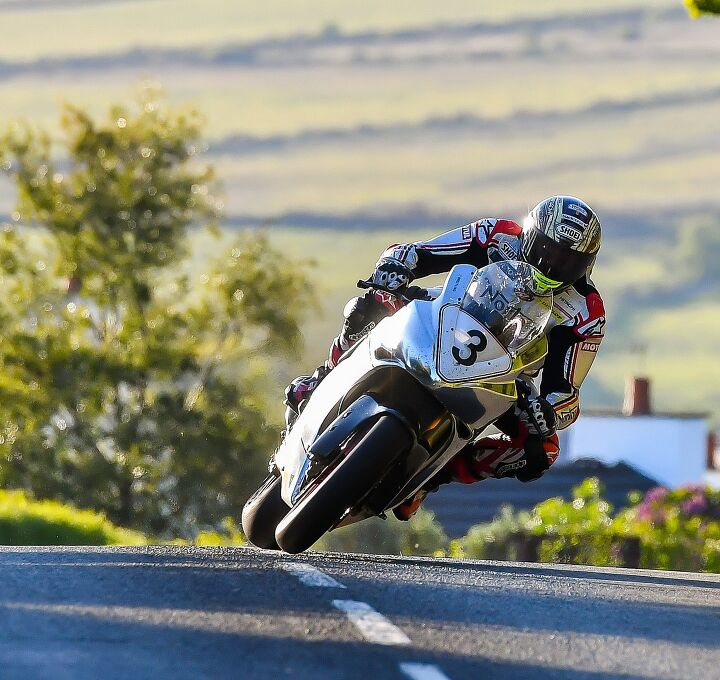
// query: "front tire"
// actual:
[[344, 487], [263, 512]]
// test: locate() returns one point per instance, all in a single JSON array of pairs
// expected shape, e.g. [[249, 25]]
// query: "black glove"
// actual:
[[539, 417], [417, 293], [391, 274], [536, 460]]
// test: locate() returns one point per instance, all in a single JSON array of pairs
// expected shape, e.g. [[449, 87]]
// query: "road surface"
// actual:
[[176, 612]]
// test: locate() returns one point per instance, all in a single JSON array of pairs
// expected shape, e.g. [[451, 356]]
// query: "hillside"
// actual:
[[326, 120]]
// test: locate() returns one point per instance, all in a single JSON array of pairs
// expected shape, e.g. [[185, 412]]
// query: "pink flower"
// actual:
[[695, 506], [655, 495]]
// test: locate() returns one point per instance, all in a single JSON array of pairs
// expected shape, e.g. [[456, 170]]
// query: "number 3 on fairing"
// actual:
[[467, 354]]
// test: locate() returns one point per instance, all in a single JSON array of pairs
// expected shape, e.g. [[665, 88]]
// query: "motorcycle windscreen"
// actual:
[[505, 298], [467, 351]]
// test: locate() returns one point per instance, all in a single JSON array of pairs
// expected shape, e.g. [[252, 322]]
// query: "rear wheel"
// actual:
[[263, 512], [359, 471]]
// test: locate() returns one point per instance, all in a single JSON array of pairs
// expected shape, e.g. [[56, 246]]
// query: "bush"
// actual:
[[501, 539], [578, 532], [229, 534], [677, 529], [698, 7], [558, 531], [422, 535], [24, 521]]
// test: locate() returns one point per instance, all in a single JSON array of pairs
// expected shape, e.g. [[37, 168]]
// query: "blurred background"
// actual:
[[334, 129]]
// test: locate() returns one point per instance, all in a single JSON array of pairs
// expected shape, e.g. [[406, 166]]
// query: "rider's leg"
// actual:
[[361, 315], [526, 446], [515, 452]]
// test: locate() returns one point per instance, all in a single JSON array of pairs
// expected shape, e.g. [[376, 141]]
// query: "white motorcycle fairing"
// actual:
[[443, 348]]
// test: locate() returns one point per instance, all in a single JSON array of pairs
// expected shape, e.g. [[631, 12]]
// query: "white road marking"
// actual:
[[310, 576], [373, 625], [422, 671]]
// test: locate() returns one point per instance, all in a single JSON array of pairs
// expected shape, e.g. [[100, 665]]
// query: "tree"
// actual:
[[127, 386], [698, 7]]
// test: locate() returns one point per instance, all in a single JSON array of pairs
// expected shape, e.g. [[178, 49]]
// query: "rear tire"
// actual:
[[344, 487], [263, 512]]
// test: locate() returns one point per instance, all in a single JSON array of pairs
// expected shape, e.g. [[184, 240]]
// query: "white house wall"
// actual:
[[670, 450]]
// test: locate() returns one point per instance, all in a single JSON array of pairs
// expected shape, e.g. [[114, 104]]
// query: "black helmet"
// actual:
[[561, 237]]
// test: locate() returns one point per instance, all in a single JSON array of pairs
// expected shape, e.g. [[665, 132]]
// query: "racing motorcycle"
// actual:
[[402, 402]]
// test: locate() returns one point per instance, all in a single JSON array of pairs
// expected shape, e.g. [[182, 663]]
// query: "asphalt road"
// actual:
[[175, 612]]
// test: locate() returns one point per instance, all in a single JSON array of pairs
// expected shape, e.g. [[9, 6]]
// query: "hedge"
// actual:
[[24, 521], [678, 529]]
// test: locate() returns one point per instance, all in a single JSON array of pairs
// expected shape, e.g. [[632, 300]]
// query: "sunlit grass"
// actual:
[[88, 28], [25, 521], [680, 342], [624, 163], [272, 101]]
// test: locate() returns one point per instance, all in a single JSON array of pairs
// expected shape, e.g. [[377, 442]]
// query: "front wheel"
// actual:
[[262, 513], [359, 471]]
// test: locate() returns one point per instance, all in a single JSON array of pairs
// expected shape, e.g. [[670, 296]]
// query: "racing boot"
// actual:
[[298, 392], [525, 457], [408, 508]]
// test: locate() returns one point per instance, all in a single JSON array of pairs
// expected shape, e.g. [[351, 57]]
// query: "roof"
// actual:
[[459, 506]]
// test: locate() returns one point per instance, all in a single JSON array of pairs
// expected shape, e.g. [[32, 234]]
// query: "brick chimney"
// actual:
[[637, 397], [713, 457]]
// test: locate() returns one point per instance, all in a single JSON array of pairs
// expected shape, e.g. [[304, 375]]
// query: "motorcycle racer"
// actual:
[[560, 237]]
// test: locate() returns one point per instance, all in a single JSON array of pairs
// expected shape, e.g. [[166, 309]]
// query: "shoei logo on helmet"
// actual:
[[568, 231]]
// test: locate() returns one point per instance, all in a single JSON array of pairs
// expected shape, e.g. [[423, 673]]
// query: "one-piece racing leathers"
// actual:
[[576, 330]]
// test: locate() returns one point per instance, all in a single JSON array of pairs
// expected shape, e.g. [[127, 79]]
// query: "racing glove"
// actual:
[[525, 457], [538, 416], [391, 274]]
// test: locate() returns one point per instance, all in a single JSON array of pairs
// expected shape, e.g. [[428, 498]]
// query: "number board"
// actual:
[[467, 350]]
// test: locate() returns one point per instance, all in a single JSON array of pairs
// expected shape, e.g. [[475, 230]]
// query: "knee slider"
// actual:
[[361, 311], [355, 308]]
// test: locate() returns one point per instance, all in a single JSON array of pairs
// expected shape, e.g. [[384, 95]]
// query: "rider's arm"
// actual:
[[476, 243], [571, 352]]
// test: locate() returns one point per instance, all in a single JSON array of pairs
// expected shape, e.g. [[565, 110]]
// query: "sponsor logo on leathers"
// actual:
[[508, 467]]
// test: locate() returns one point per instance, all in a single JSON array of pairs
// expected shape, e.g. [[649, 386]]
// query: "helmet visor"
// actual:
[[559, 264]]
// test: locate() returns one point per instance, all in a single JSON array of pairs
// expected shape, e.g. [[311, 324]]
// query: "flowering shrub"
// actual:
[[577, 532], [677, 529]]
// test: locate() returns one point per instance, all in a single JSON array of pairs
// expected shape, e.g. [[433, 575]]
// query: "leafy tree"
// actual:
[[126, 385], [698, 7]]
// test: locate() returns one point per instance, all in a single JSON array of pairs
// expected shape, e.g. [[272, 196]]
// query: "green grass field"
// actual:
[[94, 28], [679, 342], [391, 110]]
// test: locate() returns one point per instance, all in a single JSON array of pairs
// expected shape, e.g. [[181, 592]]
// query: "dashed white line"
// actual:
[[310, 576], [373, 625], [422, 671]]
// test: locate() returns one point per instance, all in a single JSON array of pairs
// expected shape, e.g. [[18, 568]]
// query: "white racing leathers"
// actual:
[[578, 315]]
